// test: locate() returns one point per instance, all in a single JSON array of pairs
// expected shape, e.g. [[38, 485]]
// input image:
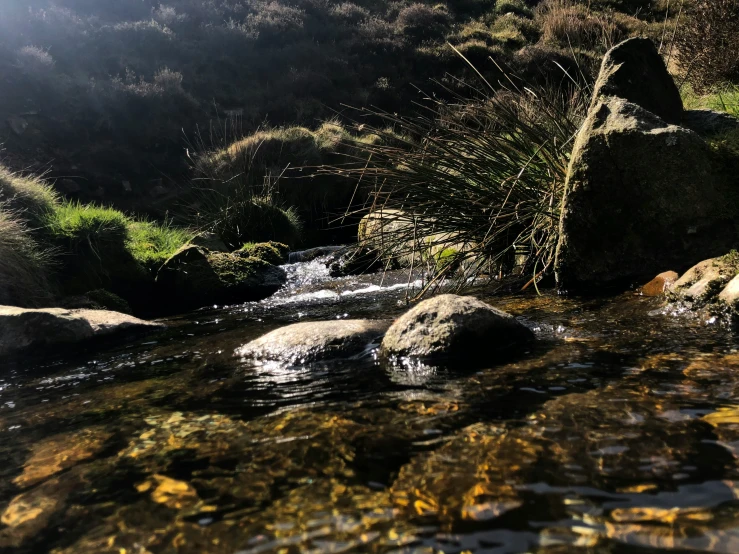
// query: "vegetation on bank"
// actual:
[[51, 247], [106, 88]]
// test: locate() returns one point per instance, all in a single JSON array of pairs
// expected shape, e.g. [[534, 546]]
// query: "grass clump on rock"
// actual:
[[485, 175]]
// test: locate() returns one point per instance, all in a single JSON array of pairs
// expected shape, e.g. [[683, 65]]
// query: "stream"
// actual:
[[617, 432]]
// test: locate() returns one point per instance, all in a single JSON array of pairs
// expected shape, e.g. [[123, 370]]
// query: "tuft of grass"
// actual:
[[152, 243], [24, 265], [28, 198], [485, 174], [724, 99], [83, 226]]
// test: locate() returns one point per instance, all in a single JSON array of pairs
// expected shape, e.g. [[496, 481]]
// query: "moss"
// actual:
[[275, 253], [517, 7], [447, 259], [109, 301], [729, 261], [235, 270]]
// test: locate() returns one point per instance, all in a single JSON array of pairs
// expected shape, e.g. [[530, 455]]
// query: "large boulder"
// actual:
[[316, 340], [195, 277], [642, 193], [634, 70], [454, 328], [21, 329]]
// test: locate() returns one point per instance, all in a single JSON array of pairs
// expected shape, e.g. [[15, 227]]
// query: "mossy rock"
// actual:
[[275, 253], [194, 277], [107, 300]]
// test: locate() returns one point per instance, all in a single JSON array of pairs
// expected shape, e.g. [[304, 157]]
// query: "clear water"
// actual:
[[618, 432]]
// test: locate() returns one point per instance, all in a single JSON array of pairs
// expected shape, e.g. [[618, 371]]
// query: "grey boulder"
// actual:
[[454, 328], [21, 329], [314, 341], [634, 70]]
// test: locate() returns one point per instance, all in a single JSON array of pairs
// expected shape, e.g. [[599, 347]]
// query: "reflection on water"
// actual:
[[619, 432]]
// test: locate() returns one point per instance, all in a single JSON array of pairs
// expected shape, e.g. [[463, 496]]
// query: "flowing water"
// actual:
[[618, 432]]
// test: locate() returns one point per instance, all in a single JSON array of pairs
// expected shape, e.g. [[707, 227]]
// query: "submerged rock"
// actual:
[[195, 277], [316, 340], [455, 328], [23, 328]]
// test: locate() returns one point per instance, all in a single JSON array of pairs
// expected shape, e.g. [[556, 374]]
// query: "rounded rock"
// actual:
[[313, 341], [454, 328]]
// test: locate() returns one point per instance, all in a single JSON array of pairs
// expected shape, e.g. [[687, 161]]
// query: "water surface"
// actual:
[[617, 432]]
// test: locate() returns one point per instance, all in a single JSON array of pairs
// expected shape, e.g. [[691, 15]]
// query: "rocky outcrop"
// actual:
[[357, 261], [195, 277], [642, 193], [21, 329], [315, 341], [634, 70], [455, 328]]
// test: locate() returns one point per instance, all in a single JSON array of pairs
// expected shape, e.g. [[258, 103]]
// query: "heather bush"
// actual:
[[707, 43], [35, 61]]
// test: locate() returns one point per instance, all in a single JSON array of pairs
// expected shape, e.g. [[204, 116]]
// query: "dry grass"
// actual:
[[566, 23], [24, 265]]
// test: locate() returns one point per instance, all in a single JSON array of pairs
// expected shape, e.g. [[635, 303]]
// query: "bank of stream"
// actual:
[[617, 432]]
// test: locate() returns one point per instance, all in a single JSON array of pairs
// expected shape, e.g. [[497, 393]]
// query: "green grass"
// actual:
[[82, 226], [152, 243], [725, 99]]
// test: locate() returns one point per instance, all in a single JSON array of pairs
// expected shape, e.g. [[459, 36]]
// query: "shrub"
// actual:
[[35, 61], [350, 12], [24, 265], [516, 7], [707, 44], [419, 21], [567, 24], [485, 175], [30, 199]]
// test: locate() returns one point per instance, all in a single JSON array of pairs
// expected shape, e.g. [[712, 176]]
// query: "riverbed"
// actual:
[[617, 432]]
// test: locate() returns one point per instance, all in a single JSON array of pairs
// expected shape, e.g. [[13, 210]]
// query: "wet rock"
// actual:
[[23, 328], [316, 340], [709, 122], [312, 253], [634, 70], [456, 328], [195, 277], [658, 285], [704, 281], [360, 261], [730, 295], [642, 195]]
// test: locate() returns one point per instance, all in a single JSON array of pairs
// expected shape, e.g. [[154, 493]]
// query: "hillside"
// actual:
[[107, 97]]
